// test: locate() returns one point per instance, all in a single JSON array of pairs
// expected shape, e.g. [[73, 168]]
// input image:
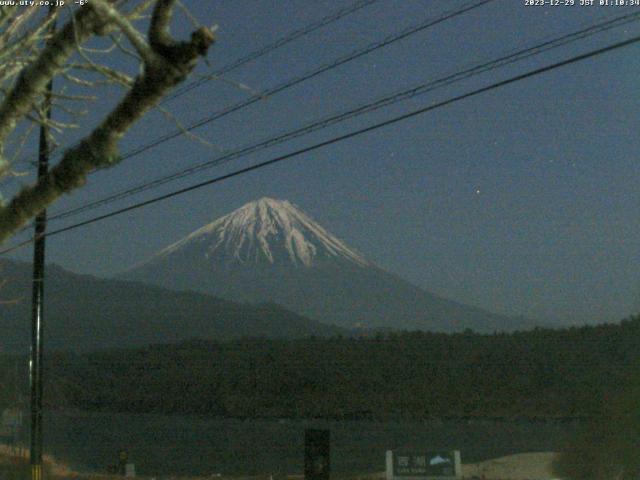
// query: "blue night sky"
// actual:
[[523, 200]]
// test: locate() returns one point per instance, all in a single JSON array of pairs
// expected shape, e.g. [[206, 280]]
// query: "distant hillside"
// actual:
[[85, 313], [542, 373]]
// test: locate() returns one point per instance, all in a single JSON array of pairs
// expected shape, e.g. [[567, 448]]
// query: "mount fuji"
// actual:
[[271, 251]]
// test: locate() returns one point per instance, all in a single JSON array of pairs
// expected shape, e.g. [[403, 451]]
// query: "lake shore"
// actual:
[[522, 466]]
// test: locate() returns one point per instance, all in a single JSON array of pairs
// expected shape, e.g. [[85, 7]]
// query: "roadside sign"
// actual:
[[423, 465]]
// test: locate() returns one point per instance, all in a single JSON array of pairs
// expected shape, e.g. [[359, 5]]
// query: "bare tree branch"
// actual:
[[34, 78], [135, 37], [168, 64]]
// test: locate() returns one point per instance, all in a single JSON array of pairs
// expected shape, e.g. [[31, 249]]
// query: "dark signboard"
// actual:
[[317, 461], [424, 464]]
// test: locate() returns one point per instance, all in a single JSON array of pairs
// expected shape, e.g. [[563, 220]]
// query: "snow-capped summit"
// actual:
[[266, 230], [271, 251]]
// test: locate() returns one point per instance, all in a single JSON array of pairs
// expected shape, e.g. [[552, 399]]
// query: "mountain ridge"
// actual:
[[83, 313], [270, 250]]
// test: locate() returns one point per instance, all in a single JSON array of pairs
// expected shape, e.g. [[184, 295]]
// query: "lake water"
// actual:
[[190, 445]]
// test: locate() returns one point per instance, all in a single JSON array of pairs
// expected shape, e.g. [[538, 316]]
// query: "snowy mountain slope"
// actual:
[[270, 250], [266, 230]]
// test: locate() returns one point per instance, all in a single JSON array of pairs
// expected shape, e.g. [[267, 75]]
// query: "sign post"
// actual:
[[317, 459]]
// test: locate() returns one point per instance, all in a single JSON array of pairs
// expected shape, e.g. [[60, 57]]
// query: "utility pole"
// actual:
[[37, 310]]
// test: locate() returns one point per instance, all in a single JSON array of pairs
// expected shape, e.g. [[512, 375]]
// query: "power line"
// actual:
[[288, 38], [336, 118], [296, 34], [341, 138], [309, 75], [297, 80], [430, 22]]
